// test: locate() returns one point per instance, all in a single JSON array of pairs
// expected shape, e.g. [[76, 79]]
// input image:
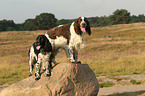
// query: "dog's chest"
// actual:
[[76, 41]]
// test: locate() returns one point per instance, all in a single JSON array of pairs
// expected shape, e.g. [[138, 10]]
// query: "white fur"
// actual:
[[60, 26], [32, 53], [83, 21], [32, 58], [59, 42]]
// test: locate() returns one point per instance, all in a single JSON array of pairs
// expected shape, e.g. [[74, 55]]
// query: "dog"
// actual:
[[70, 37], [39, 54]]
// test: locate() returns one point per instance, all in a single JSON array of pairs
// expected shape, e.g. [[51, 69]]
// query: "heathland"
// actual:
[[111, 50]]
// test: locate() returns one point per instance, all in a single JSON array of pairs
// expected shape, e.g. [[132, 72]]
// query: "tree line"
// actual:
[[45, 21]]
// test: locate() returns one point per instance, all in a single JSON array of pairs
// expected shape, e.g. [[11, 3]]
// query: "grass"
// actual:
[[14, 48], [106, 84], [135, 82], [119, 55], [123, 52], [118, 78]]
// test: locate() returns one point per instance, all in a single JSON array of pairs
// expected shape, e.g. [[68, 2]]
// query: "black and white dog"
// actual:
[[69, 37], [39, 54]]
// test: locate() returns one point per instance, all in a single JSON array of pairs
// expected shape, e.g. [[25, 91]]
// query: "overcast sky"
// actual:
[[20, 10]]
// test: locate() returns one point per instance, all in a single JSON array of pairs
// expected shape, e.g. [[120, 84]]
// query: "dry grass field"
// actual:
[[111, 50]]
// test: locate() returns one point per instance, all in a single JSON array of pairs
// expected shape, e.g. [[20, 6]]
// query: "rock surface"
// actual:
[[66, 80]]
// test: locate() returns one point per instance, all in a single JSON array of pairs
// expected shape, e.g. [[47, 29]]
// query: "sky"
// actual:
[[21, 10]]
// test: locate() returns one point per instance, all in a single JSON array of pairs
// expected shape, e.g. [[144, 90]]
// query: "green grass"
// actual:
[[122, 53], [135, 82], [106, 84]]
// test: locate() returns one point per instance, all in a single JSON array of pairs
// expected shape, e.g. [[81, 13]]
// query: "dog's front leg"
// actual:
[[31, 63], [75, 55], [72, 54], [69, 54], [37, 71], [38, 66]]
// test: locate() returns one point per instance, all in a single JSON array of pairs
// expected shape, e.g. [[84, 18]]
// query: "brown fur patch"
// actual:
[[77, 28], [63, 30]]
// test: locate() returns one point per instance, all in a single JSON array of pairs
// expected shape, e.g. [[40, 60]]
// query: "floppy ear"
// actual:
[[77, 21], [38, 39], [77, 26], [88, 29], [37, 43], [47, 45]]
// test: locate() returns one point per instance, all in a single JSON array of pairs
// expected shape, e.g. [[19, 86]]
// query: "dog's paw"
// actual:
[[73, 61], [48, 74], [44, 69], [37, 78], [30, 75], [79, 62]]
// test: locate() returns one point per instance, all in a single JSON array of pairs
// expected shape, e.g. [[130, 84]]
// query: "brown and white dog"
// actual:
[[70, 37]]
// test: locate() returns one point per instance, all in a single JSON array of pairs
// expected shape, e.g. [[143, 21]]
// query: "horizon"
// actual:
[[68, 18], [21, 10]]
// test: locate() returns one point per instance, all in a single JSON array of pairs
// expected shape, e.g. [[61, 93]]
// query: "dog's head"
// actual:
[[42, 43], [83, 25]]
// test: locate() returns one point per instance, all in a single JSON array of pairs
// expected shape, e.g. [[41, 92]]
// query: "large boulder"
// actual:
[[66, 80]]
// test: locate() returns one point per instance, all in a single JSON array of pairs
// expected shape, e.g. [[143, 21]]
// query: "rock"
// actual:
[[66, 80]]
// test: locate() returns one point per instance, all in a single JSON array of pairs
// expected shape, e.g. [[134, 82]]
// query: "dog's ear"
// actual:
[[47, 45], [78, 20], [39, 40], [88, 28]]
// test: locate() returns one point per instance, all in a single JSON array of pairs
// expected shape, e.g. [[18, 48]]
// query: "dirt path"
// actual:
[[3, 86], [122, 89], [1, 89], [123, 85]]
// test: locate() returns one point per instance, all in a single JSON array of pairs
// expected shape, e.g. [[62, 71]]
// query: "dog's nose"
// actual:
[[83, 25]]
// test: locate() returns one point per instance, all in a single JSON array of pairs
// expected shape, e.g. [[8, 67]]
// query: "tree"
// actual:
[[45, 21], [7, 25], [134, 19], [139, 18], [64, 21], [121, 16], [30, 24]]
